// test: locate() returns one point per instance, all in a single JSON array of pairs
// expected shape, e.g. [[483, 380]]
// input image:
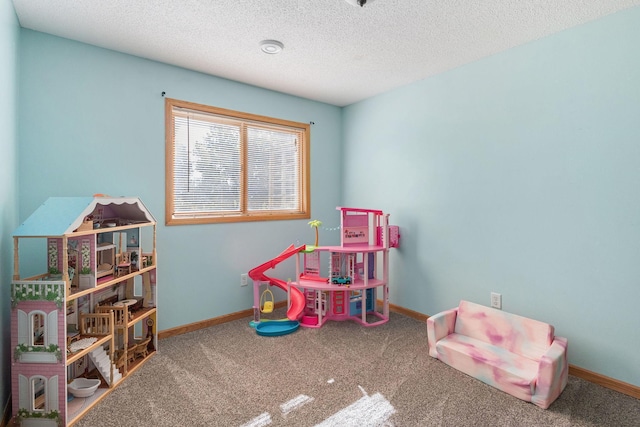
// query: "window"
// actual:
[[39, 393], [227, 166], [38, 329]]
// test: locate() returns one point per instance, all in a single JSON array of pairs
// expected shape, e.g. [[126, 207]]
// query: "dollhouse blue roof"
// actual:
[[58, 216]]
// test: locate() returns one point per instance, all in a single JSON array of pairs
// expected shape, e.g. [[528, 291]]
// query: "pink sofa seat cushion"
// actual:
[[517, 334], [493, 365]]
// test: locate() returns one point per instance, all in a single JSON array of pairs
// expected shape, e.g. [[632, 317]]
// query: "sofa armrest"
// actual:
[[439, 326], [553, 373]]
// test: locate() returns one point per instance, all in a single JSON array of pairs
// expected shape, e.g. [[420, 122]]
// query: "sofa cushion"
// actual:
[[516, 334], [493, 365]]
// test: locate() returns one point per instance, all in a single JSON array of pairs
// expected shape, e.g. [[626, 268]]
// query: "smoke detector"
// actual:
[[271, 47], [359, 2]]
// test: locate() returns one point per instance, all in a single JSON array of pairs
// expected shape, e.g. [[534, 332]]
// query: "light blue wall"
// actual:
[[9, 40], [92, 121], [518, 174]]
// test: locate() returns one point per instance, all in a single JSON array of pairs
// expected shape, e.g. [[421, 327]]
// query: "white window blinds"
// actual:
[[228, 167]]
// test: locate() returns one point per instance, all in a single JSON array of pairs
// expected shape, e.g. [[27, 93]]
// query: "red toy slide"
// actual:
[[297, 297]]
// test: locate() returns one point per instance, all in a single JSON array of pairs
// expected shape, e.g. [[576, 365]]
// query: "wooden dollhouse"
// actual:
[[91, 315]]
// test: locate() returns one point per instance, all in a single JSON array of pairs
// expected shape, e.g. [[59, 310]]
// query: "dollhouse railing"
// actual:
[[37, 290], [96, 324], [120, 314], [120, 319]]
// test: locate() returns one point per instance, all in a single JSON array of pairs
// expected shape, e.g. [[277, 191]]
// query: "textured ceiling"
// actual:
[[333, 52]]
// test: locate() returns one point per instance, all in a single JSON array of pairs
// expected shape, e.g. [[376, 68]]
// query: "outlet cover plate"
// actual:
[[496, 300]]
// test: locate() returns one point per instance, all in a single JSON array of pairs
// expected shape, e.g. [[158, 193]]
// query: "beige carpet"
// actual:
[[339, 375]]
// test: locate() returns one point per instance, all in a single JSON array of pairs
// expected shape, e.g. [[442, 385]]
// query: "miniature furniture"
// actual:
[[83, 387], [517, 355], [61, 331], [139, 349], [105, 259], [266, 301], [124, 264]]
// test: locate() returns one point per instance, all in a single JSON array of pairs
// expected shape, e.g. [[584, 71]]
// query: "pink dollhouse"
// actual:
[[79, 329], [357, 276]]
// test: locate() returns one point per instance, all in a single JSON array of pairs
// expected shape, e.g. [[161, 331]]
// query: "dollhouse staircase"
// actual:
[[103, 363]]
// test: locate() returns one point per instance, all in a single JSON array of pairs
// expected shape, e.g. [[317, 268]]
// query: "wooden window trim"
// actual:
[[244, 215]]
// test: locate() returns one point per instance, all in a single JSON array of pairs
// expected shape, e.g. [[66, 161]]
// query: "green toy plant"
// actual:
[[315, 224], [51, 415], [24, 348]]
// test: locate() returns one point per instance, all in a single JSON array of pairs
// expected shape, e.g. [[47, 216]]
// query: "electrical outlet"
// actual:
[[496, 300], [244, 279]]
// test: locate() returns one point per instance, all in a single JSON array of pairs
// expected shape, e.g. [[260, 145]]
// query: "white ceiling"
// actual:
[[333, 52]]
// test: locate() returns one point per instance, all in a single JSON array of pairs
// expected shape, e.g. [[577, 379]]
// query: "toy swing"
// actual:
[[266, 301]]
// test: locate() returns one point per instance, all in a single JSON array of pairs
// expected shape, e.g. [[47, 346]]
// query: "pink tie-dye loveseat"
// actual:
[[517, 355]]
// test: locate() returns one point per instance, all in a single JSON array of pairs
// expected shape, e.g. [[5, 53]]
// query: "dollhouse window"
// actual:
[[227, 166], [37, 328], [38, 393]]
